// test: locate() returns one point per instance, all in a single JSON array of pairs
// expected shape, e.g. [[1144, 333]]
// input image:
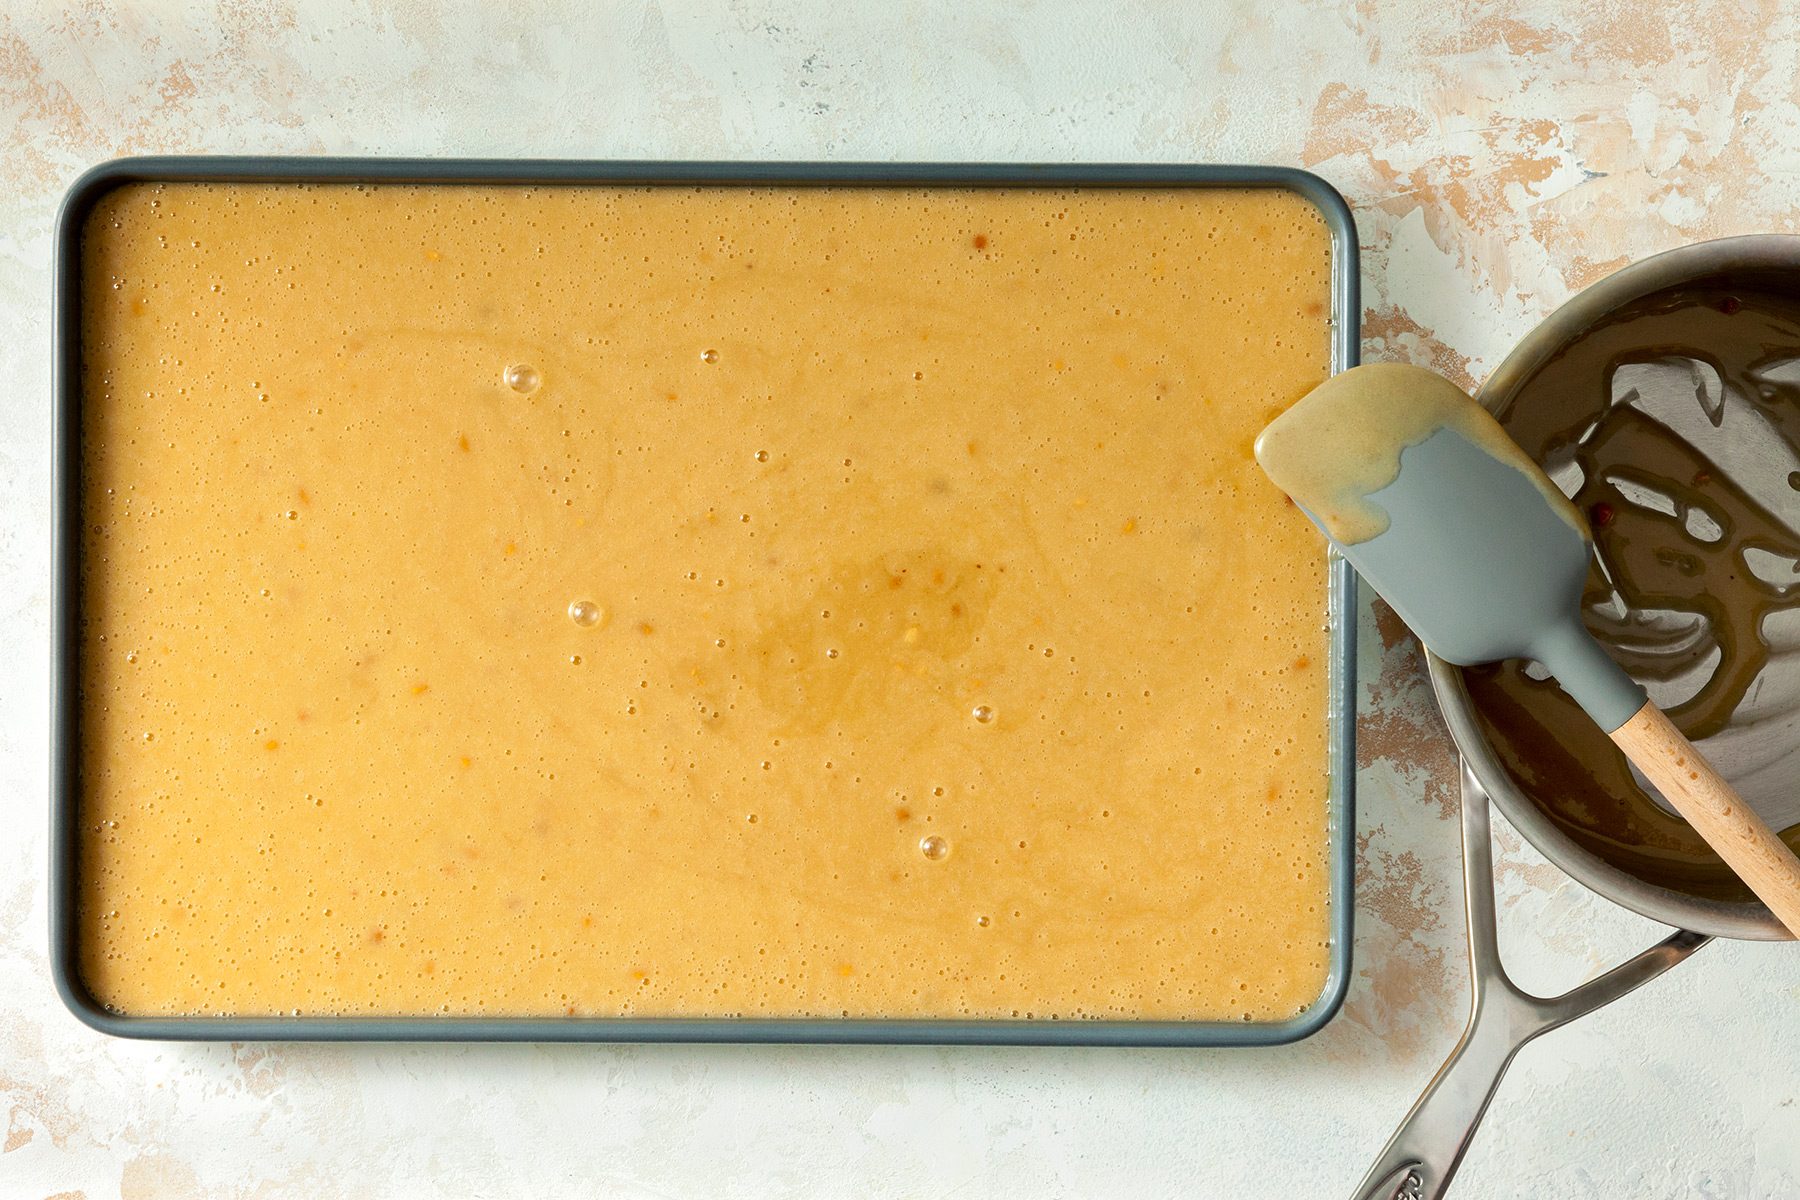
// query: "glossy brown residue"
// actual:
[[1652, 561]]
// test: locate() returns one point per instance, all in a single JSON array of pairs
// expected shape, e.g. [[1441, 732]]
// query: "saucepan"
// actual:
[[1729, 447]]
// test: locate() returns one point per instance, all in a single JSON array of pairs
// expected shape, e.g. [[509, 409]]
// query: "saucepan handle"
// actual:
[[1425, 1151], [1422, 1156]]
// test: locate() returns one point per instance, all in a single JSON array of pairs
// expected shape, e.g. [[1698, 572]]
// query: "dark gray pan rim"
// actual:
[[66, 599]]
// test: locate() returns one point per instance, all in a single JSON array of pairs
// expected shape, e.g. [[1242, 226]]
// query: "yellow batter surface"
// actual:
[[710, 601]]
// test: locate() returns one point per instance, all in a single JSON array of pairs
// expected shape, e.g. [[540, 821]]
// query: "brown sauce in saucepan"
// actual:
[[1675, 425]]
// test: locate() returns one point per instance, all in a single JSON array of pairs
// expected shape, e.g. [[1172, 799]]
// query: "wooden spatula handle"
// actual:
[[1715, 810]]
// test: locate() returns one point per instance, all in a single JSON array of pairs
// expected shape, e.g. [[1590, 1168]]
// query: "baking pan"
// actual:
[[65, 798]]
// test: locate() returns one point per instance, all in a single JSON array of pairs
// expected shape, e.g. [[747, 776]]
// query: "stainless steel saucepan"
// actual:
[[1420, 1159]]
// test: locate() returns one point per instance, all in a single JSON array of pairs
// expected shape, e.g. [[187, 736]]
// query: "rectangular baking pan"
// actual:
[[65, 788]]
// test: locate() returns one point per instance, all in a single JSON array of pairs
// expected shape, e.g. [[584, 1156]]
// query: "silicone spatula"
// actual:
[[1480, 554]]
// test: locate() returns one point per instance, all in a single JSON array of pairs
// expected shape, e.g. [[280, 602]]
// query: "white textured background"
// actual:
[[1499, 156]]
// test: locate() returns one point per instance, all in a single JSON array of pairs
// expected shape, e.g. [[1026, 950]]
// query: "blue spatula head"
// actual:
[[1456, 528]]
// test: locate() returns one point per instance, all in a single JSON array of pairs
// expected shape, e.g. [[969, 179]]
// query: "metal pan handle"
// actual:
[[1422, 1156]]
